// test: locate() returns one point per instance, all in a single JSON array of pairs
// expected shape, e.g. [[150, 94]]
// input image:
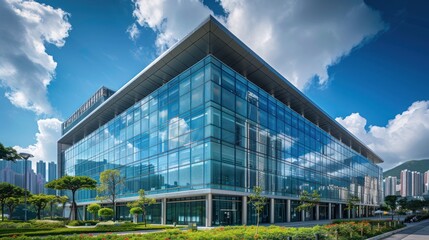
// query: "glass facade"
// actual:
[[210, 128]]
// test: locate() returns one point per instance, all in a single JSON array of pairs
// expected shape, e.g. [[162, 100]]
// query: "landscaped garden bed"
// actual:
[[340, 230]]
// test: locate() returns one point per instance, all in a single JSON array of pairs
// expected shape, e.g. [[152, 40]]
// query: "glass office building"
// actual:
[[205, 123]]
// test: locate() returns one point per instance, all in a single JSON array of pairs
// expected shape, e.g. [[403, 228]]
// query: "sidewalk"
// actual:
[[413, 231]]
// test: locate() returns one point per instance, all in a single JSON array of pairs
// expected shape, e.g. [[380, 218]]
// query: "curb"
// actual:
[[388, 234]]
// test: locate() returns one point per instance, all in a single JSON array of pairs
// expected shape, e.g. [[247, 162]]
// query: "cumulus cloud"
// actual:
[[300, 39], [171, 20], [404, 138], [45, 148], [25, 68]]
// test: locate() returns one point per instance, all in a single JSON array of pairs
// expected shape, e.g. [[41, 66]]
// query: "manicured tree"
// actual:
[[12, 203], [308, 201], [8, 190], [93, 208], [63, 200], [105, 212], [8, 153], [258, 201], [352, 201], [40, 201], [135, 211], [144, 202], [391, 202], [111, 184], [73, 184]]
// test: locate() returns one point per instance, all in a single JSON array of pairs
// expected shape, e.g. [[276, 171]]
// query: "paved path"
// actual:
[[414, 231]]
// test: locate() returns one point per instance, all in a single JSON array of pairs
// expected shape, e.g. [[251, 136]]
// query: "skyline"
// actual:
[[333, 70]]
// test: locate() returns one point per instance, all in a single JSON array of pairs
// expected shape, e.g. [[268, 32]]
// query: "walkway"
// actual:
[[414, 231]]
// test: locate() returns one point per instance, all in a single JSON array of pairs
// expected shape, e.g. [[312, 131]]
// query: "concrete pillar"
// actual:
[[209, 210], [349, 213], [303, 216], [288, 211], [317, 212], [329, 211], [272, 204], [340, 207], [84, 213], [164, 211], [244, 211]]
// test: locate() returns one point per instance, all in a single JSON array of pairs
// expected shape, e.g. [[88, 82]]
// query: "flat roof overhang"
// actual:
[[211, 37]]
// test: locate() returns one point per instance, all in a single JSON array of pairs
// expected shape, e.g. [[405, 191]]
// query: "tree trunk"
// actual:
[[52, 211], [257, 221], [74, 207], [2, 212], [144, 215], [38, 213], [62, 212], [114, 210], [10, 212]]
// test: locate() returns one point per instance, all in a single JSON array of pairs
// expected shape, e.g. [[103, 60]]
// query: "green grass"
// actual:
[[69, 231]]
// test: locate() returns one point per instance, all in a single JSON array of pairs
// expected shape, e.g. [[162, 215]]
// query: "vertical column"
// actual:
[[329, 211], [349, 213], [288, 211], [341, 210], [164, 211], [317, 212], [303, 216], [244, 211], [84, 213], [209, 201], [272, 205]]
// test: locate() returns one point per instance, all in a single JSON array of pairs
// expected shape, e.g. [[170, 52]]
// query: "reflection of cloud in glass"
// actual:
[[176, 128]]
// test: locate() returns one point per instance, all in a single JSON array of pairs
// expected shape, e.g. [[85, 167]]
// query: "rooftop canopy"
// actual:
[[211, 37]]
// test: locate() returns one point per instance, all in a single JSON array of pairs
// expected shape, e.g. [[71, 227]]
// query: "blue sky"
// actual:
[[365, 63]]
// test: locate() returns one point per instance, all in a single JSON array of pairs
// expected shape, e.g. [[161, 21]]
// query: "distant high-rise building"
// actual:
[[412, 183], [41, 169], [426, 181], [390, 186], [13, 173], [405, 179], [52, 171]]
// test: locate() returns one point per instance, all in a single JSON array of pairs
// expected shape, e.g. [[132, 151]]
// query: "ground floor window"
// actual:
[[264, 216], [186, 210], [280, 210], [295, 215], [226, 210]]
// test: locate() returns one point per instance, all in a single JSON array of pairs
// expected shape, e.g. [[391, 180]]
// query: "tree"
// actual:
[[352, 201], [258, 201], [308, 201], [8, 153], [40, 201], [73, 184], [111, 184], [63, 200], [144, 202], [8, 190], [414, 205], [105, 212], [93, 208], [403, 204], [135, 211], [12, 203], [391, 202]]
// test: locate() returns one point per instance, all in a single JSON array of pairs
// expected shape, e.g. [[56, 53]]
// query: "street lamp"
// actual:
[[25, 156]]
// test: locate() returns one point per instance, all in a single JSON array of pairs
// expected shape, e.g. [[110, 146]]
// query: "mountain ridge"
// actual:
[[412, 165]]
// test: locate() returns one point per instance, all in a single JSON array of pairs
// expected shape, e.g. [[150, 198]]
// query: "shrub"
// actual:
[[105, 212], [75, 223], [46, 223]]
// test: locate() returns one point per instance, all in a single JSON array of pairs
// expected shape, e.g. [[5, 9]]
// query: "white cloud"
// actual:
[[300, 39], [404, 138], [45, 147], [133, 31], [25, 68], [171, 20]]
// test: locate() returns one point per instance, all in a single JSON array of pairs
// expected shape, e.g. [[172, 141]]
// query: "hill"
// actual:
[[412, 165]]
